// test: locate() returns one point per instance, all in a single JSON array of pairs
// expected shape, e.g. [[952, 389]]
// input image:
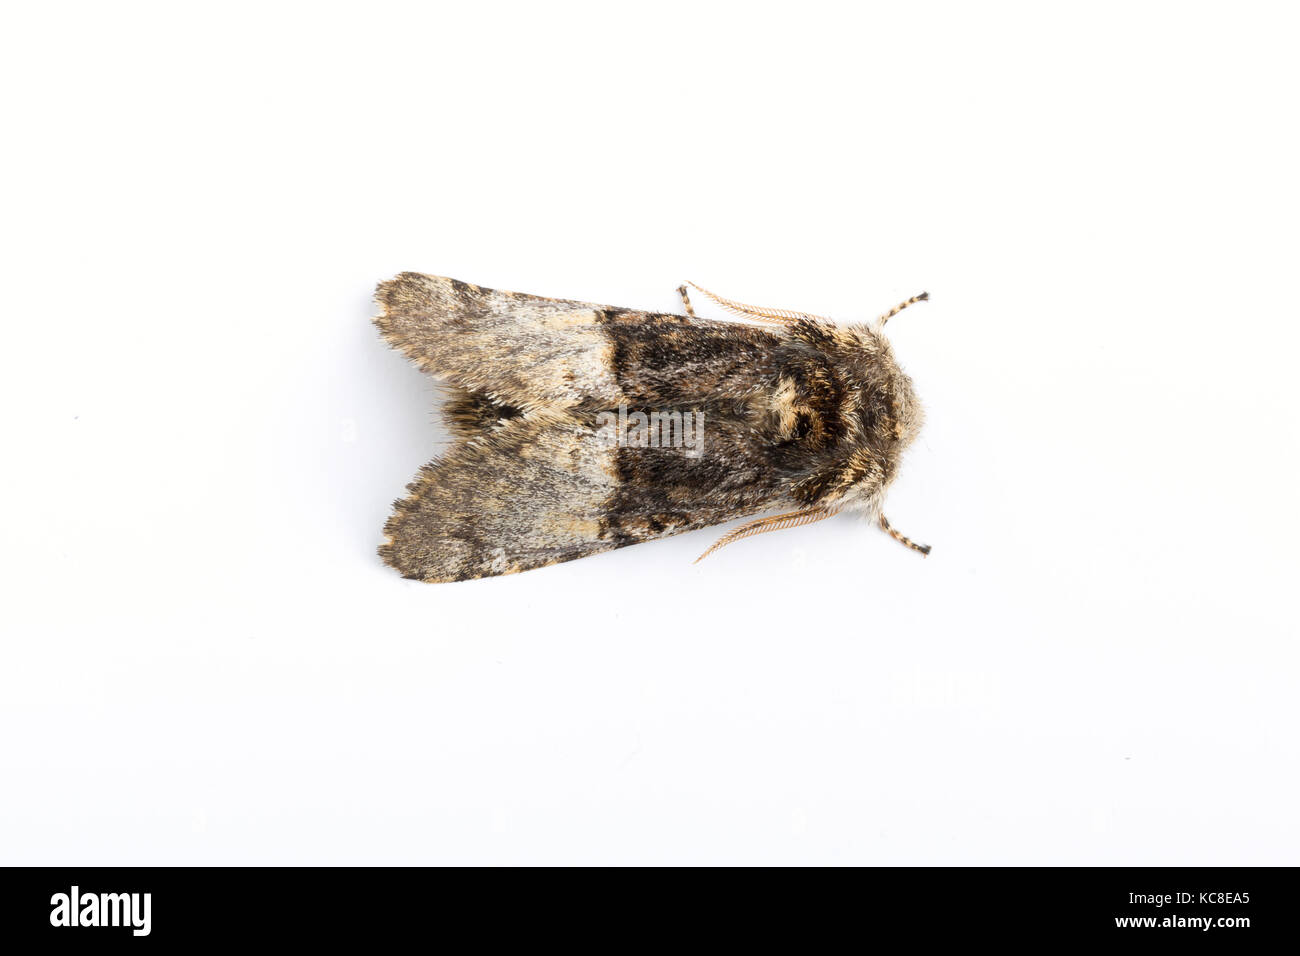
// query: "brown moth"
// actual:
[[582, 428]]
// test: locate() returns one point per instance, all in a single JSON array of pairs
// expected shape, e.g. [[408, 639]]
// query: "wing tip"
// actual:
[[407, 302]]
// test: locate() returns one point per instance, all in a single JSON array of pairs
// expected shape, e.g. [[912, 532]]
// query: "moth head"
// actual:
[[906, 410], [885, 416], [888, 410], [909, 415]]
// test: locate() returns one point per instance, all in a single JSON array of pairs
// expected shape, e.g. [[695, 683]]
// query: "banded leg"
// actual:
[[686, 301], [901, 306], [791, 519], [762, 313], [903, 539]]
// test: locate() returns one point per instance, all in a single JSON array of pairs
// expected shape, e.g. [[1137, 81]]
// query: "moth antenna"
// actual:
[[775, 316], [792, 519], [901, 306], [903, 539]]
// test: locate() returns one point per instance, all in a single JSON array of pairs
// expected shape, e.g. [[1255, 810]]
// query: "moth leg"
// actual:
[[686, 301], [893, 532], [901, 306], [791, 519], [762, 313]]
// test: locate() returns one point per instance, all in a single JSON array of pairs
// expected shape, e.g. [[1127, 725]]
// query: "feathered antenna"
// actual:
[[779, 316], [791, 519]]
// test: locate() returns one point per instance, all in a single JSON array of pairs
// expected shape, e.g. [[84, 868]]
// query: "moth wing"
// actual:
[[533, 483], [529, 494], [522, 350]]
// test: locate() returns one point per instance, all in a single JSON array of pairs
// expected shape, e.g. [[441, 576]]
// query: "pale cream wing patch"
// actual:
[[533, 493], [522, 350]]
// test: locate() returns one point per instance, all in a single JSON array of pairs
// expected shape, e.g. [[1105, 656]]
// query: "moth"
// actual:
[[580, 428]]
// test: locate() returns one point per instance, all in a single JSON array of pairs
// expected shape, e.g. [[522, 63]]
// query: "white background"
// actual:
[[204, 661]]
